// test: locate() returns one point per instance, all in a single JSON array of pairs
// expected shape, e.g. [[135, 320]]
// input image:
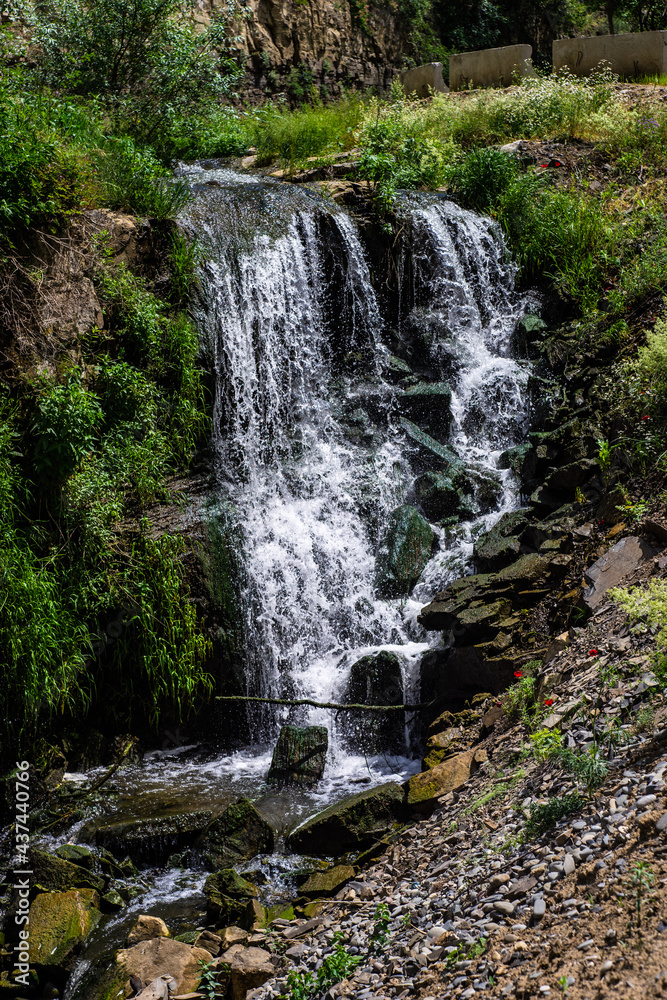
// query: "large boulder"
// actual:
[[521, 459], [151, 839], [350, 825], [424, 790], [229, 899], [299, 756], [376, 680], [58, 875], [428, 453], [501, 544], [59, 924], [405, 551], [161, 956], [441, 495], [238, 834], [250, 969], [428, 405]]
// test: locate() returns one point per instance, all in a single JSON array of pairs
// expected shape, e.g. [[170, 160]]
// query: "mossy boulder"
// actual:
[[350, 825], [238, 834], [441, 495], [327, 883], [57, 875], [77, 854], [521, 459], [405, 551], [229, 899], [150, 839], [442, 746], [59, 924], [429, 453], [299, 756]]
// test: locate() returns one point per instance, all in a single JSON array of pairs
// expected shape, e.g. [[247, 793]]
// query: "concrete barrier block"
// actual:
[[489, 67], [642, 53], [423, 79]]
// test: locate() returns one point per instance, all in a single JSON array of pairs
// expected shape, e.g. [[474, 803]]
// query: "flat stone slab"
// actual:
[[613, 567]]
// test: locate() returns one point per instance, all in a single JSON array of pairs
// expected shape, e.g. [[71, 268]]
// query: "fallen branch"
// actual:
[[323, 704]]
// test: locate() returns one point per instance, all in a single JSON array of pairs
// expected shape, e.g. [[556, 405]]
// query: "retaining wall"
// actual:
[[642, 53], [489, 67], [423, 79]]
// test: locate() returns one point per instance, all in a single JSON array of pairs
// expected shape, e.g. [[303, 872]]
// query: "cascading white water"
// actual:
[[464, 285], [299, 483]]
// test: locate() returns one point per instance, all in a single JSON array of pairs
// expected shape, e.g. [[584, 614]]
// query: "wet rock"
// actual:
[[429, 452], [161, 988], [148, 960], [57, 875], [229, 899], [521, 459], [299, 756], [424, 790], [352, 824], [59, 924], [376, 680], [487, 488], [611, 569], [527, 329], [406, 549], [327, 883], [77, 854], [441, 495], [145, 928], [150, 839], [238, 834], [568, 477], [492, 552], [428, 405], [608, 508]]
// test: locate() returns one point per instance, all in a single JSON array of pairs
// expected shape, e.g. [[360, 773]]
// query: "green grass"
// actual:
[[290, 137]]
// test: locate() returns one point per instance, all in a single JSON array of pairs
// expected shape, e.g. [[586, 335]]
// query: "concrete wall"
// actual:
[[489, 67], [423, 79], [640, 54]]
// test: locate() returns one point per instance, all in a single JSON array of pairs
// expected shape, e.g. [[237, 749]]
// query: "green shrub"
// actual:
[[483, 177], [646, 604], [291, 137], [66, 426], [136, 181], [544, 817]]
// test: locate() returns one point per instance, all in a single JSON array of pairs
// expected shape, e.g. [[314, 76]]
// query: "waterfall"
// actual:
[[310, 452]]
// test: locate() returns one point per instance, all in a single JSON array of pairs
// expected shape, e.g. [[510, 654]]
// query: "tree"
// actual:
[[148, 60]]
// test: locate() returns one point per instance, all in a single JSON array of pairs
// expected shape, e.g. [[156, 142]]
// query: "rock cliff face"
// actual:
[[285, 41]]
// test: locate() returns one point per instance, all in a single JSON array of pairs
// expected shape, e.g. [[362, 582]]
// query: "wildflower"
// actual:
[[557, 163], [517, 673], [646, 417], [548, 702], [592, 652]]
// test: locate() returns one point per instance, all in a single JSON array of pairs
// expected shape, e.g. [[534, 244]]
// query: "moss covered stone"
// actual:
[[299, 756], [350, 825], [57, 875], [238, 834], [229, 899], [327, 883], [59, 923], [406, 549]]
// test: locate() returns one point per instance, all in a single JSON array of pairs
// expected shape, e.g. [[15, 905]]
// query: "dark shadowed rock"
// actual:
[[405, 550], [441, 495], [376, 680], [299, 756], [428, 405], [238, 834], [350, 825]]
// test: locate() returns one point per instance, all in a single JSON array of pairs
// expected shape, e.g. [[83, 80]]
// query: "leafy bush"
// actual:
[[136, 181], [145, 58], [646, 604], [335, 967], [66, 426], [293, 136], [483, 177]]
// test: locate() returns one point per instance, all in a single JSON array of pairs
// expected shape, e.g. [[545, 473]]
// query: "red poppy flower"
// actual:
[[646, 417], [517, 673], [548, 702], [592, 652], [557, 163], [544, 164]]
